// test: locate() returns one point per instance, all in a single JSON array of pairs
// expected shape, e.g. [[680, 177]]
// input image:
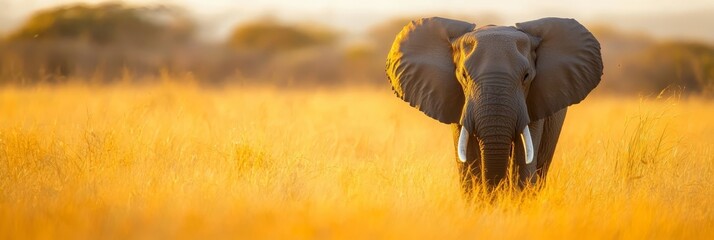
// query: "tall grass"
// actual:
[[179, 161]]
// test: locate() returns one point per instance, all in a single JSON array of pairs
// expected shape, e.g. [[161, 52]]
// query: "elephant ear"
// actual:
[[568, 65], [421, 68]]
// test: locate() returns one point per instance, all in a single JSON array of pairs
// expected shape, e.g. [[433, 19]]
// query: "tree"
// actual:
[[681, 64], [97, 41], [106, 24], [269, 36]]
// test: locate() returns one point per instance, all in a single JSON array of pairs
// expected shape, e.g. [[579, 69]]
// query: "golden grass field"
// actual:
[[180, 161]]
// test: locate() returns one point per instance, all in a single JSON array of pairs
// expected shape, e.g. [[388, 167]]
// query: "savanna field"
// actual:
[[175, 160]]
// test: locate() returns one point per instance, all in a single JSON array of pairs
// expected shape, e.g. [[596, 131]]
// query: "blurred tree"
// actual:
[[104, 24], [97, 41], [616, 44], [681, 64], [616, 47], [269, 36]]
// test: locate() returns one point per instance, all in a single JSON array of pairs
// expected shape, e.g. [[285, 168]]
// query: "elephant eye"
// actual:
[[525, 77]]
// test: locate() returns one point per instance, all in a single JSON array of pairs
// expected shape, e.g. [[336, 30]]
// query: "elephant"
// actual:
[[504, 90]]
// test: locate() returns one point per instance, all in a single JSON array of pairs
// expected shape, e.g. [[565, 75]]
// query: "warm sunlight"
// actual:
[[356, 119]]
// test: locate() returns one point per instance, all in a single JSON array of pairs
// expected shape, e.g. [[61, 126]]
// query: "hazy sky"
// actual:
[[219, 15]]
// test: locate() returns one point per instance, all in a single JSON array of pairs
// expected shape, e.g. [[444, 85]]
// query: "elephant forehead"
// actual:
[[493, 46], [492, 50], [495, 35]]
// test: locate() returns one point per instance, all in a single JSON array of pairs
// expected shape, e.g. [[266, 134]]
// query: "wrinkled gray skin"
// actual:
[[493, 81], [545, 133]]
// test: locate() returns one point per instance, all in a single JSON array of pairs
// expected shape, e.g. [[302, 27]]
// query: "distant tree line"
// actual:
[[112, 42], [642, 65]]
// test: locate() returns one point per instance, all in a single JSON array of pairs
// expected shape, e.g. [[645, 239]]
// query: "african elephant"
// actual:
[[505, 90]]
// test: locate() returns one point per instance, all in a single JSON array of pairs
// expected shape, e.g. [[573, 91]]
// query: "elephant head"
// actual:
[[493, 80]]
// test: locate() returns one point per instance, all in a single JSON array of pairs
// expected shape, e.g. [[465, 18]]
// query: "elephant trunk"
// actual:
[[495, 154], [498, 118]]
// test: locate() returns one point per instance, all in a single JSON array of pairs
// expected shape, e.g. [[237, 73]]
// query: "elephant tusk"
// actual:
[[463, 144], [527, 144]]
